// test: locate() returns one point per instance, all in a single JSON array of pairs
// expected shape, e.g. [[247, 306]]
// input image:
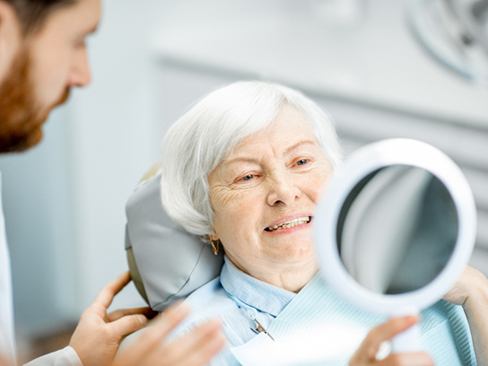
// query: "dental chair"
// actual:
[[166, 263]]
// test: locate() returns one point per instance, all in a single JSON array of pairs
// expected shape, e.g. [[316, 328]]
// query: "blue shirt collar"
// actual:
[[249, 291]]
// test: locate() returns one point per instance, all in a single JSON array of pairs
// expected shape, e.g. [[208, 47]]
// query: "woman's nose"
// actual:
[[283, 191]]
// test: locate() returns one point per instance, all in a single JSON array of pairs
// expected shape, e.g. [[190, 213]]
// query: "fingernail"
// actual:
[[220, 338]]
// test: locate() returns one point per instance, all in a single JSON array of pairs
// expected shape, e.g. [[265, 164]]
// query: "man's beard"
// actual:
[[21, 118]]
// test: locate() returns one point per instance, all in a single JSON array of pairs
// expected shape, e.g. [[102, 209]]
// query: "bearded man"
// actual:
[[43, 55]]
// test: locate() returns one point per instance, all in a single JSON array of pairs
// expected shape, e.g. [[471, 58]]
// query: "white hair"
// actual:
[[198, 141]]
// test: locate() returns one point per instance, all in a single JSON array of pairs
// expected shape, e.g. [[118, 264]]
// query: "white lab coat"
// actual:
[[65, 357]]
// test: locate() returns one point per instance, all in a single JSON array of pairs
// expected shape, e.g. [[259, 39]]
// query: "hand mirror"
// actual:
[[394, 228]]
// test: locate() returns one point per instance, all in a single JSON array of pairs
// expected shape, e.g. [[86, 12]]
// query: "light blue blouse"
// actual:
[[241, 302], [236, 299]]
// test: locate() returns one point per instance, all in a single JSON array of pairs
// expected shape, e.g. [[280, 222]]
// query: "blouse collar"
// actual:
[[250, 291]]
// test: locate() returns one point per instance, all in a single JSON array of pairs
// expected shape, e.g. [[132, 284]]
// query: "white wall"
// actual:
[[37, 197], [114, 135]]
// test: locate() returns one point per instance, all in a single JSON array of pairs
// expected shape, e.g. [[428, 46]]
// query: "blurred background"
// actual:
[[381, 68]]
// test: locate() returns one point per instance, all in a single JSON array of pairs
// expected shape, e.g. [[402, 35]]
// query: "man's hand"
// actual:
[[4, 362], [97, 337], [195, 348]]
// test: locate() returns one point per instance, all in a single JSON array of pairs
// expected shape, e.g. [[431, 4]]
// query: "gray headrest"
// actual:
[[166, 262]]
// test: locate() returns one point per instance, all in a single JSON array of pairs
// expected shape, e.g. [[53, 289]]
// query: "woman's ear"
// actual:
[[213, 237], [215, 243]]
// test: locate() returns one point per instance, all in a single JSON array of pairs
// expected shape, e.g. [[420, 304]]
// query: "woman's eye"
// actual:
[[247, 177], [302, 162]]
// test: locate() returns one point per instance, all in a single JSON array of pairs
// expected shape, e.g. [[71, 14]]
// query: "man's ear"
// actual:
[[10, 36]]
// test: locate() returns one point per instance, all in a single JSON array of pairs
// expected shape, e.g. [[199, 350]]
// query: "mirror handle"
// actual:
[[408, 341]]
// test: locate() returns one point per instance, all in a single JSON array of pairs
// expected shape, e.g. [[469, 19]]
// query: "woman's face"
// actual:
[[264, 194]]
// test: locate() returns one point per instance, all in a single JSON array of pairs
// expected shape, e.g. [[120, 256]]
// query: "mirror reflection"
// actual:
[[397, 229]]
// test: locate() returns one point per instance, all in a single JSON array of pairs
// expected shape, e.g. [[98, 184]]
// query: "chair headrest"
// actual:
[[166, 262]]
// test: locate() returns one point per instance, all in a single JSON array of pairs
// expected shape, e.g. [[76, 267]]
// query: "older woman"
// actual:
[[243, 169]]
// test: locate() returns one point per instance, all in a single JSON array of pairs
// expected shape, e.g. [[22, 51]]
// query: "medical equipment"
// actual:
[[454, 33]]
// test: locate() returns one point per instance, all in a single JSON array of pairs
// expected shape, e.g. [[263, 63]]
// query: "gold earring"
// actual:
[[215, 244]]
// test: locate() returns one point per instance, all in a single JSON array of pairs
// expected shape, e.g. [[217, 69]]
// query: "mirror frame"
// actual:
[[360, 164]]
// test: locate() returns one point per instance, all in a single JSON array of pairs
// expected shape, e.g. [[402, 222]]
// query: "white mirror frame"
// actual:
[[360, 164]]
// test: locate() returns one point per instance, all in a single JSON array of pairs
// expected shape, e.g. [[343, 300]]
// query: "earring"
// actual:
[[215, 244]]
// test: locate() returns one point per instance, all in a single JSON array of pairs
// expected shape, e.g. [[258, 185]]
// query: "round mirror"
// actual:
[[395, 219], [395, 227]]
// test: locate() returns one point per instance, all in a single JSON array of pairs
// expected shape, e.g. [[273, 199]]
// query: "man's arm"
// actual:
[[65, 357]]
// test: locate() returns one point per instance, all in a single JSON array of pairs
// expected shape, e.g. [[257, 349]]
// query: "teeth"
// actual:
[[290, 224]]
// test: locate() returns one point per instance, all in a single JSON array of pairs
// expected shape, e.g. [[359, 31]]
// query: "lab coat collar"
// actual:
[[7, 342]]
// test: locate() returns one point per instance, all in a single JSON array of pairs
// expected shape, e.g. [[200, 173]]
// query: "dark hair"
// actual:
[[33, 13]]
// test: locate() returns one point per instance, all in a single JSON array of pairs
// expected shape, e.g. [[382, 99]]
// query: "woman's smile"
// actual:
[[289, 224]]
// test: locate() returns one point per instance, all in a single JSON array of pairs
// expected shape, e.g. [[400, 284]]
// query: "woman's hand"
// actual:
[[97, 337], [469, 288], [367, 351], [471, 291], [195, 348]]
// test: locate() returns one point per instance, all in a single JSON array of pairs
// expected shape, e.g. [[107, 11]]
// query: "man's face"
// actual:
[[46, 66]]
